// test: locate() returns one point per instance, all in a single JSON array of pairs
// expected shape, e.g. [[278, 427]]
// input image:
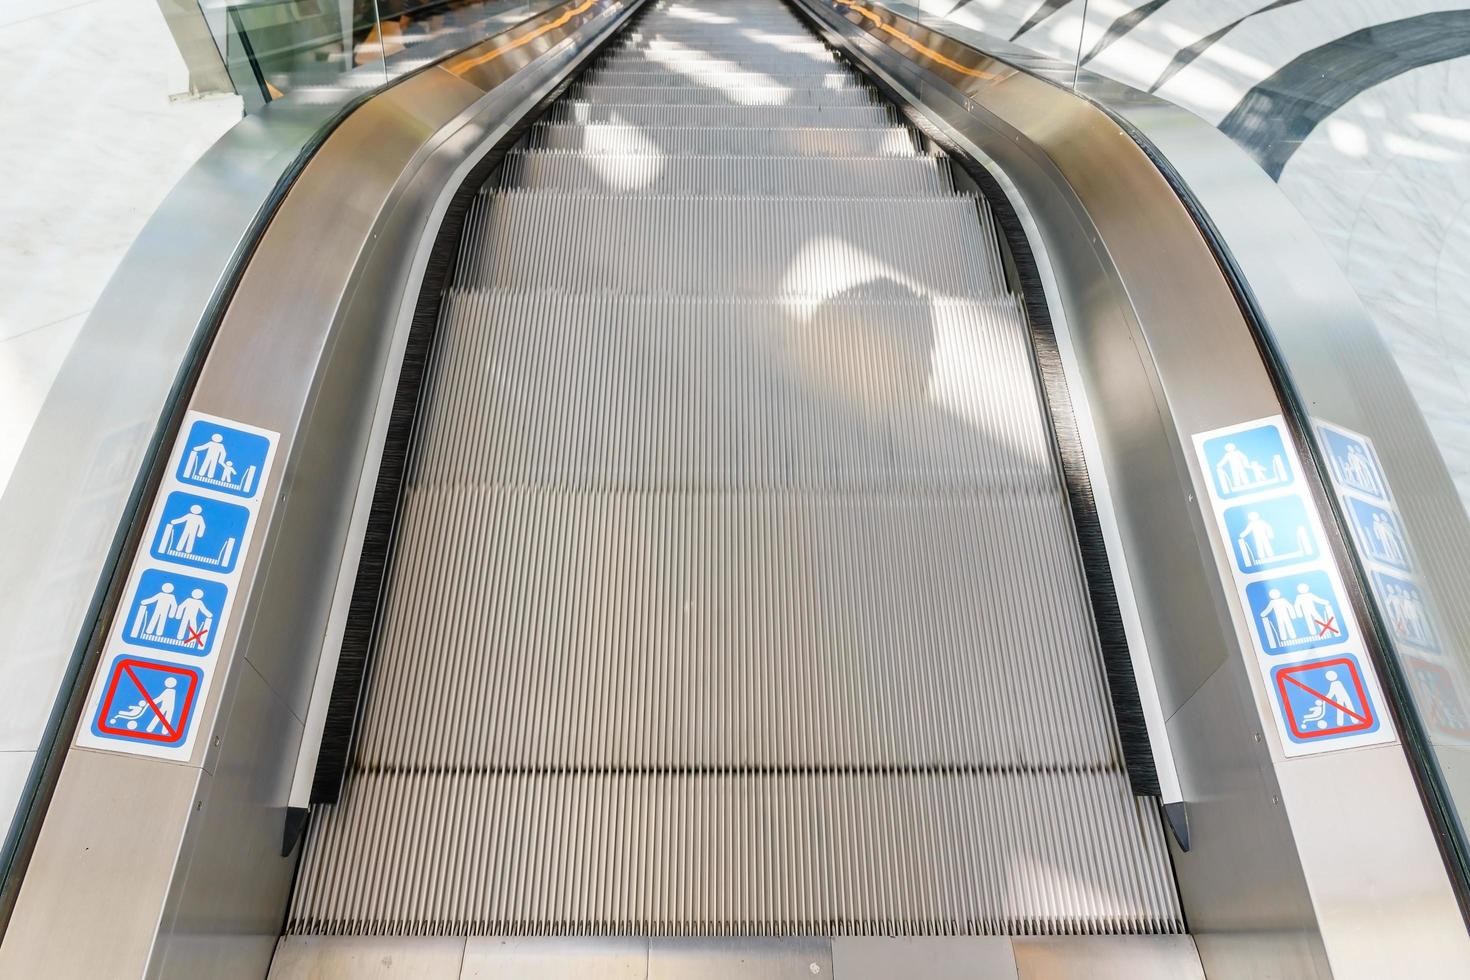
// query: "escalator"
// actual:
[[711, 488], [734, 587]]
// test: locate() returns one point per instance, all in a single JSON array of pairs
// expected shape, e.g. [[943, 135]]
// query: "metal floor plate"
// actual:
[[734, 590]]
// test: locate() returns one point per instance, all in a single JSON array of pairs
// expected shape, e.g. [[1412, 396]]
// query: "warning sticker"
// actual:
[[224, 457], [1246, 460], [1270, 534], [1296, 612], [147, 701], [163, 648], [1325, 699], [1304, 637], [174, 612], [198, 532]]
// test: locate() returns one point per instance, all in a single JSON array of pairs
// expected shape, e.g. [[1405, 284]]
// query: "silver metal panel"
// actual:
[[800, 958], [63, 508], [554, 958], [89, 906], [1310, 307], [1107, 958], [734, 588], [933, 957], [1406, 922], [376, 958], [1250, 914], [739, 959], [229, 880]]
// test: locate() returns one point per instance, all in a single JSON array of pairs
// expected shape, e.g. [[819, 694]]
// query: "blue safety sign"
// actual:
[[1270, 534], [147, 701], [1247, 461], [1324, 699], [175, 612], [200, 532], [223, 458], [1353, 462], [1407, 611], [1289, 583], [1379, 533], [1296, 612]]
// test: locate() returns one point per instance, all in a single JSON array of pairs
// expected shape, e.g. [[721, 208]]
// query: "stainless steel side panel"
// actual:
[[1155, 327], [174, 869]]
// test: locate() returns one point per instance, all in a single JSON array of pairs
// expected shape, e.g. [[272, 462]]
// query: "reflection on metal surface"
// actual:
[[929, 53], [463, 65]]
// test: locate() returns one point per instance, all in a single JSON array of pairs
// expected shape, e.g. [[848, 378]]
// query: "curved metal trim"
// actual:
[[1432, 793]]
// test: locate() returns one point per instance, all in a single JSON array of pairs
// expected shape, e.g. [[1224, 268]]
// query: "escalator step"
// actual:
[[765, 629], [735, 395], [546, 852], [752, 246], [654, 173], [823, 141], [699, 62], [729, 81], [723, 116], [600, 93]]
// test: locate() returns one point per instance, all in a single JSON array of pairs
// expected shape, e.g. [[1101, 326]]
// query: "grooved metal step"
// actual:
[[702, 141], [734, 588], [746, 246], [749, 41], [731, 81], [900, 406], [760, 116], [770, 629], [600, 93], [704, 62], [923, 394], [654, 173], [532, 852]]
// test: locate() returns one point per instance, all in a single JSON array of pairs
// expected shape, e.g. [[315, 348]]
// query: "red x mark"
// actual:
[[169, 730], [1323, 627], [196, 637]]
